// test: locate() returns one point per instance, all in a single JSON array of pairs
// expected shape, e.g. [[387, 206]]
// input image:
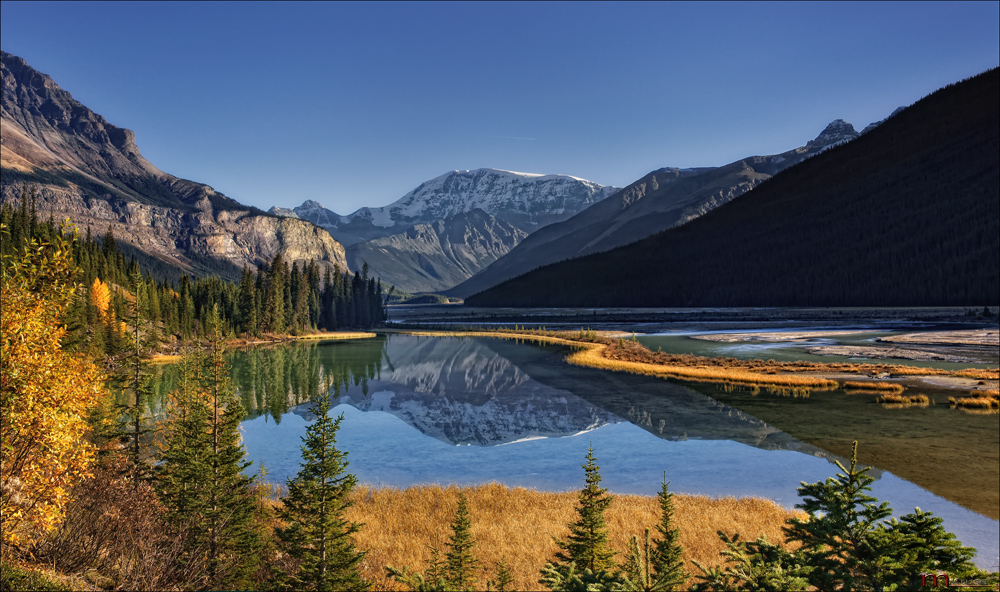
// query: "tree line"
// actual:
[[82, 489], [277, 298], [905, 215]]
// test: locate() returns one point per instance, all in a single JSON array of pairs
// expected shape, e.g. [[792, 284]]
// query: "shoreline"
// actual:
[[592, 348], [242, 342]]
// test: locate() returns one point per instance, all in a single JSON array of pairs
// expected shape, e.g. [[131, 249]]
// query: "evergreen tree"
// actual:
[[135, 379], [202, 480], [587, 544], [658, 567], [585, 555], [853, 547], [505, 577], [317, 531], [460, 560]]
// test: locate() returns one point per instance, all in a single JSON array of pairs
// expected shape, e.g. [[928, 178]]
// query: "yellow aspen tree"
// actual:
[[45, 393], [100, 297]]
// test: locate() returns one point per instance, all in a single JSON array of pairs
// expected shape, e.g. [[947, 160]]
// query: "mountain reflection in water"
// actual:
[[437, 410]]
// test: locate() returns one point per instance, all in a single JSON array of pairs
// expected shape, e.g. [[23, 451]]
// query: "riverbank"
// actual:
[[239, 342], [611, 350]]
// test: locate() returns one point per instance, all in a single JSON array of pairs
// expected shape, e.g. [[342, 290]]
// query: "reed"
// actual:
[[597, 349], [874, 386], [517, 525], [975, 402], [594, 357], [918, 399], [980, 373]]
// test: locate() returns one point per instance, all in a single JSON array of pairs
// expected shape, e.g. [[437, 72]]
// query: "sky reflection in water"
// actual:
[[413, 426]]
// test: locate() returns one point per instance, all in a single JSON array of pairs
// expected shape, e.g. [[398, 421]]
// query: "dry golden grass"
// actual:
[[975, 402], [979, 373], [336, 335], [874, 386], [893, 400], [599, 350], [518, 525], [595, 357]]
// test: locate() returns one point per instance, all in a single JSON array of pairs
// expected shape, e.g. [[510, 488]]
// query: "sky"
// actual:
[[355, 104]]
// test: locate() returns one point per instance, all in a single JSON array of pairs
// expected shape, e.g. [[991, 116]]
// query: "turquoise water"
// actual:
[[474, 410]]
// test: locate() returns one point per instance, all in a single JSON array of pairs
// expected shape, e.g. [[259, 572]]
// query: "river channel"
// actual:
[[477, 410]]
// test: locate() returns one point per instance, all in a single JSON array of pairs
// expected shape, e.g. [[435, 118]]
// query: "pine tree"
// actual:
[[460, 560], [202, 480], [585, 555], [587, 544], [667, 566], [852, 545], [317, 531], [135, 379]]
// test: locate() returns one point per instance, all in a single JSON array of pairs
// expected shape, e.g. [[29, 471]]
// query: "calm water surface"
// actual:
[[475, 410]]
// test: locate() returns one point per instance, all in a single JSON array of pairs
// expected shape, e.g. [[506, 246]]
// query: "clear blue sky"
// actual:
[[355, 104]]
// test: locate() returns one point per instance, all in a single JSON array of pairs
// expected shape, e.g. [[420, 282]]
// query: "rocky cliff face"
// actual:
[[92, 173], [439, 255], [524, 200]]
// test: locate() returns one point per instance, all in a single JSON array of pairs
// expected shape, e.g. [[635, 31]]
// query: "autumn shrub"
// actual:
[[45, 394], [116, 527]]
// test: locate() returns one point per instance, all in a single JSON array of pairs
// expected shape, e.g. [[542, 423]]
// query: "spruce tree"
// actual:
[[667, 567], [852, 546], [460, 560], [585, 556], [317, 532], [587, 543], [135, 378], [202, 478]]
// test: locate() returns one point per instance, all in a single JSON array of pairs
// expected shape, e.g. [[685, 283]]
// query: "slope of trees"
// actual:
[[277, 299], [905, 215]]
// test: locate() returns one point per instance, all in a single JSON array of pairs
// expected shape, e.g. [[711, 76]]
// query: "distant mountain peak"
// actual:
[[837, 132]]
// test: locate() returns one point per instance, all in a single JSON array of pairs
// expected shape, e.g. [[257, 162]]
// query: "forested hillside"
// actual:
[[906, 215], [278, 299]]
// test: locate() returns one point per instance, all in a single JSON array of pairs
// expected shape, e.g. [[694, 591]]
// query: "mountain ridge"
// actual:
[[665, 198], [905, 215], [92, 172]]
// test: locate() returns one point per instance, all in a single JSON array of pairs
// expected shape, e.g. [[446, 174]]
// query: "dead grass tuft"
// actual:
[[918, 400], [874, 386], [518, 524]]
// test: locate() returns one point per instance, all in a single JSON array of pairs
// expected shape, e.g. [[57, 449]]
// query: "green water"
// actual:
[[476, 410]]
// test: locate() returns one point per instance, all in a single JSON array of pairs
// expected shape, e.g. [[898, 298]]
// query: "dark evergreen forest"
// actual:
[[277, 299], [906, 215]]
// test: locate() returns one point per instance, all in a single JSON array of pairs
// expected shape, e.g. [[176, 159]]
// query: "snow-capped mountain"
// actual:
[[463, 392], [660, 200], [525, 200]]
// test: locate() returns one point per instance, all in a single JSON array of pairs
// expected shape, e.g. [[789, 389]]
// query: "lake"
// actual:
[[478, 410]]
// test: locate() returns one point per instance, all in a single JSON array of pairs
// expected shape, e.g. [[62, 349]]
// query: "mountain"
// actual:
[[437, 255], [524, 200], [904, 215], [463, 392], [662, 199], [92, 172]]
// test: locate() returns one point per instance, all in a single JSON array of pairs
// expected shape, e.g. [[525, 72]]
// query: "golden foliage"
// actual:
[[874, 386], [100, 297], [45, 393], [517, 525], [895, 400]]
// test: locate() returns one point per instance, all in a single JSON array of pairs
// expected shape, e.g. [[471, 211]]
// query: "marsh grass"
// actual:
[[601, 350], [874, 386], [518, 525], [895, 400]]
